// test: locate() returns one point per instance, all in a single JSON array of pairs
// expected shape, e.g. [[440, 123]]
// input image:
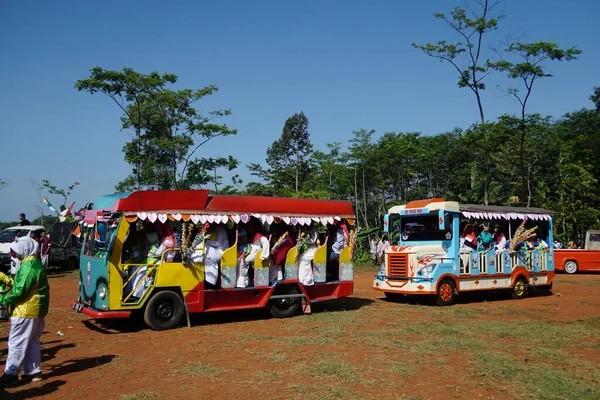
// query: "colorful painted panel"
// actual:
[[228, 267], [320, 264], [346, 271], [491, 260], [261, 271], [474, 256], [291, 265]]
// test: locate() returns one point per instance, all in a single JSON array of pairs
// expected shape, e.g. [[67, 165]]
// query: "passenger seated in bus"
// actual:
[[258, 242], [307, 246], [340, 240], [167, 241], [215, 245], [485, 239], [499, 239], [284, 242], [243, 249], [468, 238], [137, 285]]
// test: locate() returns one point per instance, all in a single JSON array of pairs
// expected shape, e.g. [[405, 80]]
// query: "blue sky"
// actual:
[[347, 64]]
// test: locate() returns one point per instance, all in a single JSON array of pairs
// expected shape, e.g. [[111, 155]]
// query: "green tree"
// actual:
[[595, 97], [168, 130], [3, 183], [467, 54], [289, 156], [527, 70], [59, 192]]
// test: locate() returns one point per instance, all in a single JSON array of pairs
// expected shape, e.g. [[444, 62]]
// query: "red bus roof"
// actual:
[[198, 201], [279, 206]]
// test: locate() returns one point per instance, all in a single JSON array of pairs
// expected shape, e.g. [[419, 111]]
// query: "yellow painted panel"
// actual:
[[186, 276], [115, 271], [229, 258], [345, 255], [290, 258], [321, 255], [258, 263]]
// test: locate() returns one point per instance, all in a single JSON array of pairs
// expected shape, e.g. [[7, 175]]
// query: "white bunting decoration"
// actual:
[[337, 218], [210, 218], [195, 218], [162, 218], [270, 219], [177, 217], [330, 220], [316, 219], [142, 215], [152, 217], [202, 218], [287, 220], [236, 218]]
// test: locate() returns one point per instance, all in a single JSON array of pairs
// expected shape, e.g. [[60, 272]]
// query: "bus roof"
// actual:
[[472, 210], [178, 204]]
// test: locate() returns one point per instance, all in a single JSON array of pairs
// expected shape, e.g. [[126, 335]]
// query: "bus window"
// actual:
[[99, 239], [422, 228]]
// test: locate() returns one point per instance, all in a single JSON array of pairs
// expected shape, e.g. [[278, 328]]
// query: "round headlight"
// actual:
[[102, 292]]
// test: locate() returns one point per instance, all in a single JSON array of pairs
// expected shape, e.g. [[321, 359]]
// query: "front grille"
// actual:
[[397, 264]]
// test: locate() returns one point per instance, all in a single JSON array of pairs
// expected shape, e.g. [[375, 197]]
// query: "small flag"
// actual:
[[65, 213], [50, 206], [77, 231]]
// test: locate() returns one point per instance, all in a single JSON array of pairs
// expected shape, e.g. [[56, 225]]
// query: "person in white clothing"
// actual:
[[215, 245], [499, 239], [259, 242], [309, 245]]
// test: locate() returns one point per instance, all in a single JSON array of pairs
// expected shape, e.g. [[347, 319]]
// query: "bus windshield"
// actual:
[[422, 228]]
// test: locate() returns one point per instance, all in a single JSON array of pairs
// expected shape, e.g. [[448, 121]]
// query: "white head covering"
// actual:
[[25, 246]]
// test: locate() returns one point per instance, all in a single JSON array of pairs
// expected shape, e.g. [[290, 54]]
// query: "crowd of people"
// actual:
[[42, 249], [493, 238], [152, 243]]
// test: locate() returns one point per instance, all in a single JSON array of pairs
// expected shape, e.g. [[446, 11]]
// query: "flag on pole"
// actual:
[[65, 213], [77, 231], [50, 206]]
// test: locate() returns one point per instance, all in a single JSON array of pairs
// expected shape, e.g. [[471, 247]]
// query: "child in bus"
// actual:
[[167, 241]]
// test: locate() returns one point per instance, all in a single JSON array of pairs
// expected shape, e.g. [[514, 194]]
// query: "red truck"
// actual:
[[586, 259]]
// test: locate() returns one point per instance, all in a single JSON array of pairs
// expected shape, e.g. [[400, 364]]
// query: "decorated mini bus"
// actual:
[[444, 248], [167, 254]]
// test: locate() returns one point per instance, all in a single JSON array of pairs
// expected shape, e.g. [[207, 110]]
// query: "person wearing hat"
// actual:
[[29, 298]]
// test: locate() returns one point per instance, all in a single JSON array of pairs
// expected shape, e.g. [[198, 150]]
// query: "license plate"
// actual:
[[77, 307]]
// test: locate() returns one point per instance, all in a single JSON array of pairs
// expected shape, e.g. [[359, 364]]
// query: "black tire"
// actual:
[[446, 293], [571, 267], [391, 296], [285, 308], [165, 310], [520, 288]]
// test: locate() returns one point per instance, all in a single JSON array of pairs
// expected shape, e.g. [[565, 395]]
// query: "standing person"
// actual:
[[258, 242], [215, 246], [307, 247], [15, 263], [383, 244], [373, 248], [29, 299], [45, 244], [24, 221]]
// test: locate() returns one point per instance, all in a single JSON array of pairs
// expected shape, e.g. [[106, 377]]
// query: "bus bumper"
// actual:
[[81, 308], [404, 287]]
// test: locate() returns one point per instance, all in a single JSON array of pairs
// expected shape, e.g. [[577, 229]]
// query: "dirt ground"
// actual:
[[359, 347]]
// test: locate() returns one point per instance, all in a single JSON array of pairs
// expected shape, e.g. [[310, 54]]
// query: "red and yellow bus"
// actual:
[[118, 277]]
